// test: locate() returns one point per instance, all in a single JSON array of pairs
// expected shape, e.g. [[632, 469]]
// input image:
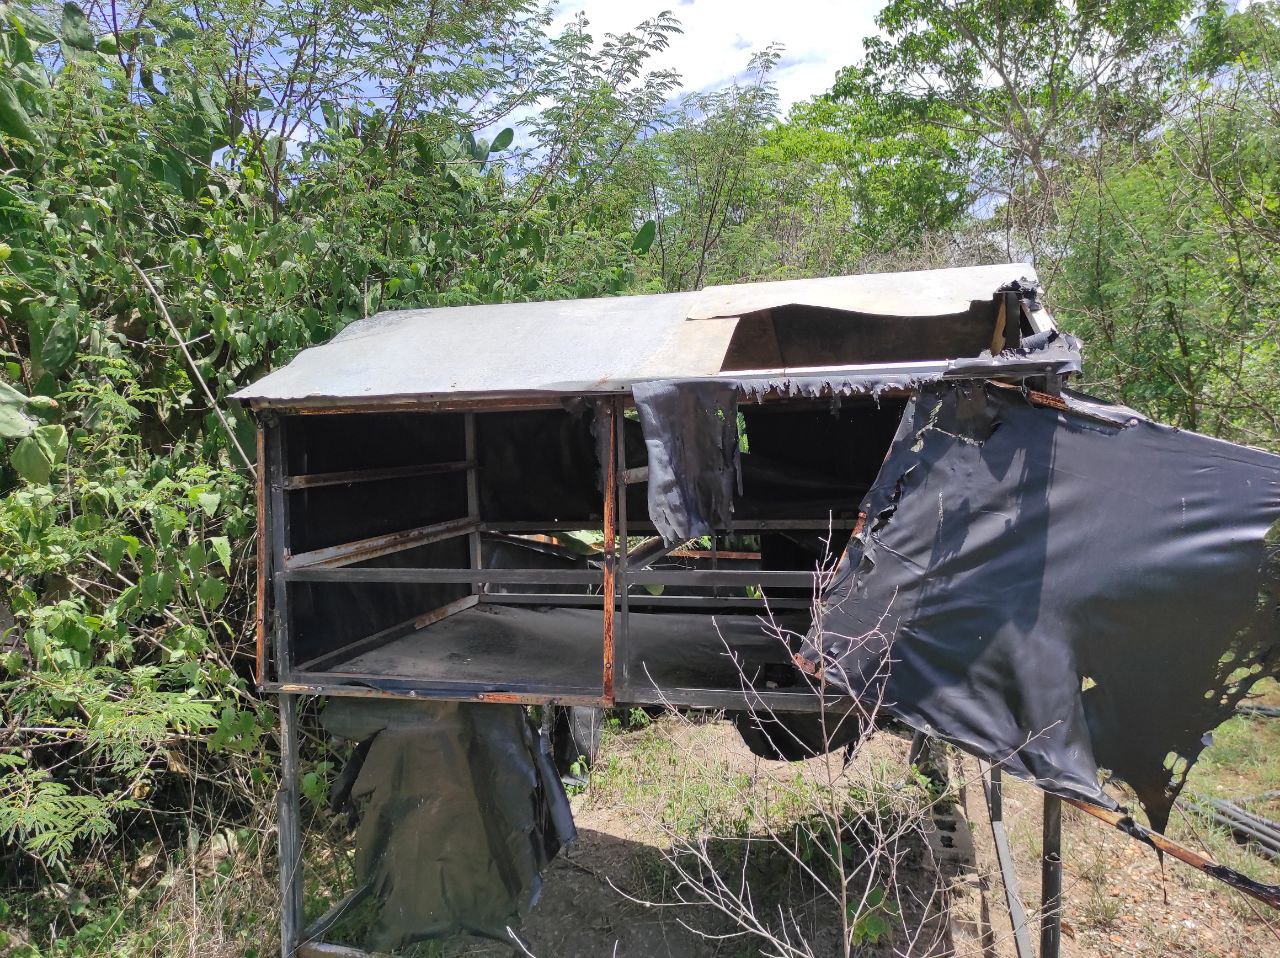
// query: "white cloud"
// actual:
[[819, 36]]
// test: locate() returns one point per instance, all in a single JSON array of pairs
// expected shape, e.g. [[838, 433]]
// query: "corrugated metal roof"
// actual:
[[587, 345], [925, 292]]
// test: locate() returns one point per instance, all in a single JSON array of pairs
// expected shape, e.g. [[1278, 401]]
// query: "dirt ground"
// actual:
[[1118, 899], [607, 895]]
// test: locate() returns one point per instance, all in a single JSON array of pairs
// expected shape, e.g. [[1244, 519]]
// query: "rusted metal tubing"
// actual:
[[263, 556], [1051, 878], [360, 687], [335, 557], [317, 479], [1267, 894], [619, 651], [501, 576], [607, 416], [744, 577]]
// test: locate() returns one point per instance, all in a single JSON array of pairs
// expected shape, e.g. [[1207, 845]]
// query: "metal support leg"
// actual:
[[1051, 879], [473, 497], [992, 785], [289, 827]]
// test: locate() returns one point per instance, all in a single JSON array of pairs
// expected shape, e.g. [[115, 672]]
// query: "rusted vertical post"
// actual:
[[622, 621], [1051, 878], [264, 556], [473, 496], [277, 499], [607, 413], [289, 828], [288, 814]]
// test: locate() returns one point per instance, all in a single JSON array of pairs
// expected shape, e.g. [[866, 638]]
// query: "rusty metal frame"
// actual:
[[324, 675], [607, 416], [619, 649], [614, 582], [263, 556], [346, 553], [347, 477]]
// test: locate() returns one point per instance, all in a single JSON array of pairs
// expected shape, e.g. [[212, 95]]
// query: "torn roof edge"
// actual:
[[642, 338]]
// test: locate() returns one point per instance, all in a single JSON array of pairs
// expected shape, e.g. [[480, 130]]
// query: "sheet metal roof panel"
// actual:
[[927, 292], [567, 346], [586, 345]]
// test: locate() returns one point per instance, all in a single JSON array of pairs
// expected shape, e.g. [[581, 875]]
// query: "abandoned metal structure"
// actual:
[[494, 503], [415, 467]]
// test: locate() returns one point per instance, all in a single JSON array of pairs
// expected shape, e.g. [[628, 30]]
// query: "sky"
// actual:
[[819, 36]]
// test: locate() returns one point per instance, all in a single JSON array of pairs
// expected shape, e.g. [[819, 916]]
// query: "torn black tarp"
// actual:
[[691, 433], [1048, 352], [1059, 590], [459, 812], [690, 426]]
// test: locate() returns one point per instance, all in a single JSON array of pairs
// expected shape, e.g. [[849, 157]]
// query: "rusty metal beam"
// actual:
[[263, 558], [687, 577], [497, 576], [368, 685], [693, 603], [474, 546], [644, 525], [1267, 894], [608, 414], [623, 613], [335, 557], [316, 479], [413, 404]]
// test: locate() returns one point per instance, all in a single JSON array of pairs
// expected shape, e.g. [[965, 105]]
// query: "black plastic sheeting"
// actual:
[[1059, 591], [459, 811], [1059, 351], [691, 433], [690, 426]]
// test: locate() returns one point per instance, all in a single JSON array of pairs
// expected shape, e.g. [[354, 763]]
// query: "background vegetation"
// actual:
[[190, 193]]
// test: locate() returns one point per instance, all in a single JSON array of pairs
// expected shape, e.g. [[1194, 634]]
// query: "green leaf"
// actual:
[[35, 457], [13, 424], [502, 140], [644, 237], [31, 25], [76, 31], [211, 591], [59, 346], [113, 552], [208, 501], [5, 251], [14, 119], [9, 396], [222, 548]]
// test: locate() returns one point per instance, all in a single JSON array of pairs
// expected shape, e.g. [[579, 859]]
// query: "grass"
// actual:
[[704, 804], [1243, 762], [217, 898], [215, 894]]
